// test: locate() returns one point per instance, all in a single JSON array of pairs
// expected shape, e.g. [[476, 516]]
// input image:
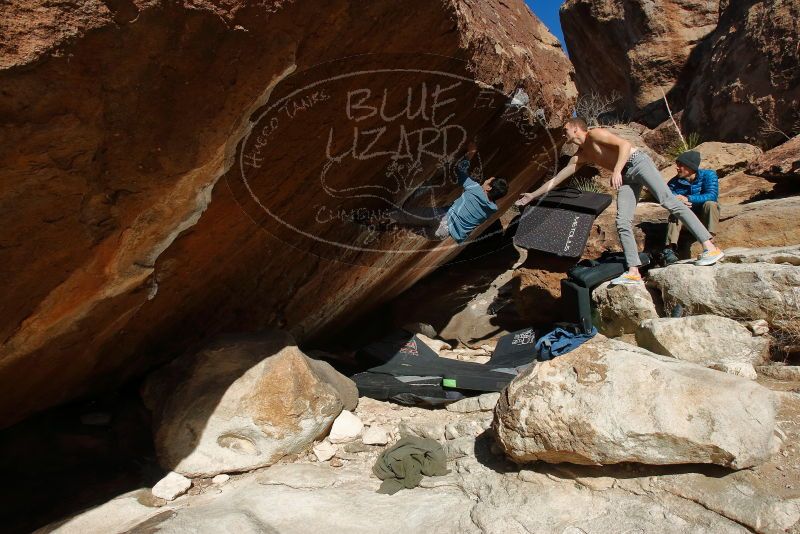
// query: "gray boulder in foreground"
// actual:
[[742, 291], [703, 339], [241, 403], [609, 402], [620, 309]]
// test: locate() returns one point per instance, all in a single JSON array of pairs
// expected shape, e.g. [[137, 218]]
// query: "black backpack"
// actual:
[[592, 273], [576, 289]]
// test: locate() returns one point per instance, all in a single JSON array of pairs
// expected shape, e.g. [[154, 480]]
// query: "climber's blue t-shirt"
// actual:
[[471, 209]]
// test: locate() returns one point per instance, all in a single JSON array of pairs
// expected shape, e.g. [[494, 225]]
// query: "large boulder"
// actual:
[[609, 402], [743, 291], [765, 223], [147, 208], [741, 187], [781, 162], [621, 308], [707, 340], [747, 84], [646, 47], [665, 136], [239, 404], [634, 136], [724, 158]]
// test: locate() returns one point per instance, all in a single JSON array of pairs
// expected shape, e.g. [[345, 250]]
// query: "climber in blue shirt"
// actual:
[[699, 190], [475, 205]]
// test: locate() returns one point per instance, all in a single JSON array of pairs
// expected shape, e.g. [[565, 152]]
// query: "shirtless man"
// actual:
[[630, 169]]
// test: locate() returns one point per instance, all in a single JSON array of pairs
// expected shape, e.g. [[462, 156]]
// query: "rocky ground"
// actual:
[[483, 493], [658, 424], [648, 432]]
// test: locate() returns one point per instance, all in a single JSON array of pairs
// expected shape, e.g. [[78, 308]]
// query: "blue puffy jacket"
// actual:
[[704, 188]]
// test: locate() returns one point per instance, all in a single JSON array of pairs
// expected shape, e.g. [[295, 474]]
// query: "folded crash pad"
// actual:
[[576, 289], [557, 231], [573, 199], [560, 222], [577, 304]]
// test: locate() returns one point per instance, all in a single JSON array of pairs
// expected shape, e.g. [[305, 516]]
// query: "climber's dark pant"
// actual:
[[430, 223]]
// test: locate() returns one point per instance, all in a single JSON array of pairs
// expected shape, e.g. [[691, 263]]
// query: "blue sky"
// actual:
[[547, 11]]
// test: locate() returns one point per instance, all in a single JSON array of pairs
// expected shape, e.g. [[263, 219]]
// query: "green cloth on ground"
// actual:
[[404, 464]]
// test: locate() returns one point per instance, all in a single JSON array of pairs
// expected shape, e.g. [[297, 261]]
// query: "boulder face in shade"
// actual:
[[637, 51], [172, 171]]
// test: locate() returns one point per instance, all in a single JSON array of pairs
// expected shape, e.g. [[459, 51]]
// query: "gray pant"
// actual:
[[641, 171], [430, 223]]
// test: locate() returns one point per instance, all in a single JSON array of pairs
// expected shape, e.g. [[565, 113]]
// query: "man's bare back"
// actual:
[[599, 147], [598, 152]]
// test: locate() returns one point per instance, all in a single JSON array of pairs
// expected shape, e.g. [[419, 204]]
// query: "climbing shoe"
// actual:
[[710, 257], [626, 280]]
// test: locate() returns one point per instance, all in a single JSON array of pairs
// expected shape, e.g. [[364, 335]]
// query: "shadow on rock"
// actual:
[[489, 454], [626, 470]]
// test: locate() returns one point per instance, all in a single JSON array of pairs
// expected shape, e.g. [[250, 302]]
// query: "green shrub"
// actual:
[[586, 184], [692, 140]]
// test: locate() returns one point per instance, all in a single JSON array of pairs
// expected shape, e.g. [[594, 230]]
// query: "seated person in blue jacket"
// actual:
[[475, 205], [698, 189]]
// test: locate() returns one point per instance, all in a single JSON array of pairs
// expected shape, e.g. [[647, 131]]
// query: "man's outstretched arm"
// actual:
[[462, 165], [573, 165]]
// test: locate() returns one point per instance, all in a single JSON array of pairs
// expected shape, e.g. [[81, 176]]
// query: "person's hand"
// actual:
[[524, 199], [616, 180], [684, 200], [472, 149]]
